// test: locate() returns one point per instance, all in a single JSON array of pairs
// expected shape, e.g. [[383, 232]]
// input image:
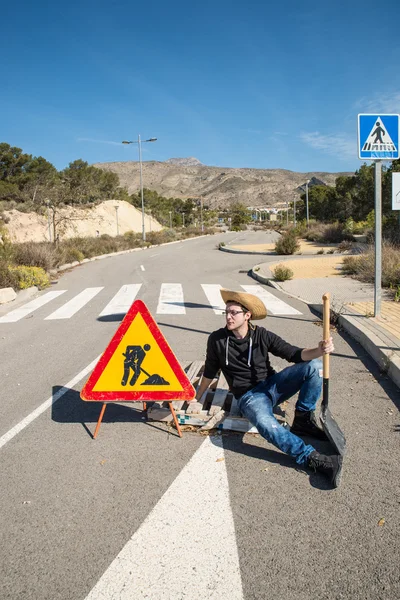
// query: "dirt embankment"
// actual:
[[111, 217]]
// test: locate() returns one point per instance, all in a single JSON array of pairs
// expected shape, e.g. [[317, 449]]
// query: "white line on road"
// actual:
[[142, 267], [122, 300], [186, 548], [170, 301], [40, 409], [212, 291], [70, 308], [20, 313], [273, 304]]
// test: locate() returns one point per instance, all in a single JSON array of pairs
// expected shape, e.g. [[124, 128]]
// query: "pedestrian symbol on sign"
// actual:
[[379, 140]]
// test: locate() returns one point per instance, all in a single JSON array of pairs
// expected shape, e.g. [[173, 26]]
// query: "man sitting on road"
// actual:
[[240, 350]]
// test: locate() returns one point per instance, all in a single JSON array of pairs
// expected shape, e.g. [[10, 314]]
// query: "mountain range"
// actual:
[[219, 187]]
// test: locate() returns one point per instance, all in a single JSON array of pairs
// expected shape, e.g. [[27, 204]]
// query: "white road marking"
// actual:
[[23, 311], [70, 308], [122, 300], [40, 409], [142, 267], [186, 548], [214, 297], [273, 304], [170, 301]]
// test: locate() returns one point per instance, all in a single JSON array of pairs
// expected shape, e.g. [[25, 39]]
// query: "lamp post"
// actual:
[[116, 215], [201, 215], [183, 219], [307, 216], [294, 212], [170, 219], [139, 143]]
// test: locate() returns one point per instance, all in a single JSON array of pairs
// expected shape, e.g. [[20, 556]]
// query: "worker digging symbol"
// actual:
[[134, 356], [378, 132]]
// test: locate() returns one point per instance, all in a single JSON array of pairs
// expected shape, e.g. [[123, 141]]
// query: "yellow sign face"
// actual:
[[138, 364]]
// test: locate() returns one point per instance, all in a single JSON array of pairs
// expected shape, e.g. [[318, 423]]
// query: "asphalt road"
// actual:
[[69, 504]]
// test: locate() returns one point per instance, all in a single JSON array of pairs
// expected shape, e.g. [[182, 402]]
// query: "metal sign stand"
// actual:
[[378, 139], [378, 238]]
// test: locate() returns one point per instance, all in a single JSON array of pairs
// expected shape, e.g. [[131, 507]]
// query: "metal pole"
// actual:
[[170, 219], [141, 188], [378, 238], [287, 213], [308, 220], [201, 210], [294, 213], [116, 214], [183, 219]]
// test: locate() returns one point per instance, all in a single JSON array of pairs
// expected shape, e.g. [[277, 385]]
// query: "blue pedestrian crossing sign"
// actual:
[[378, 137]]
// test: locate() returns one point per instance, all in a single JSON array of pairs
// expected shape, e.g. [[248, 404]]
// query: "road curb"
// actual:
[[236, 251]]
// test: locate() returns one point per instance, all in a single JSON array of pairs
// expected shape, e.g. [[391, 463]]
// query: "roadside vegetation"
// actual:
[[30, 263]]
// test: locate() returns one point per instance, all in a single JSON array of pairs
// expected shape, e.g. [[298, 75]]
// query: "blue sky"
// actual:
[[260, 85]]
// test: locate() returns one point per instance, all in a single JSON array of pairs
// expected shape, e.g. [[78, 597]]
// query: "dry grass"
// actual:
[[362, 266]]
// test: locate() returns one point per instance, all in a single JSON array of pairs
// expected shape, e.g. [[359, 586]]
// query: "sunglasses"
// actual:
[[233, 313]]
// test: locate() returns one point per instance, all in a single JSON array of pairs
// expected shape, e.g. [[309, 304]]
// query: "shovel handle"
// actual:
[[326, 323]]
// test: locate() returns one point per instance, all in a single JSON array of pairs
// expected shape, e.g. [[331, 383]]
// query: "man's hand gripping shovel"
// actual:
[[328, 423]]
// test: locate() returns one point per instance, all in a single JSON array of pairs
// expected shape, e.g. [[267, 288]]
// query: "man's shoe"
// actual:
[[331, 466], [305, 423]]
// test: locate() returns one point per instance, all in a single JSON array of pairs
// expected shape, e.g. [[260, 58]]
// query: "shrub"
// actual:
[[345, 246], [288, 243], [29, 276], [35, 254], [7, 277], [72, 254], [321, 251], [282, 273], [363, 265]]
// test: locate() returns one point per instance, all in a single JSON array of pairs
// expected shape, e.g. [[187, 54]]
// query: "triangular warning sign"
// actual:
[[138, 364], [379, 139]]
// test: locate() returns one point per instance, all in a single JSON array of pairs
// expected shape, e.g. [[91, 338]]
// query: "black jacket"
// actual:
[[245, 362]]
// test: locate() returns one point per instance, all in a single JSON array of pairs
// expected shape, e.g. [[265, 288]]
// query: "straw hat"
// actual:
[[249, 301]]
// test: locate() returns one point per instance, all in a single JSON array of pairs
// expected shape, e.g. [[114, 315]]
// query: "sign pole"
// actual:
[[378, 238]]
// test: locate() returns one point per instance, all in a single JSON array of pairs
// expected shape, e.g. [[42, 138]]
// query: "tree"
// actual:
[[12, 161], [239, 215]]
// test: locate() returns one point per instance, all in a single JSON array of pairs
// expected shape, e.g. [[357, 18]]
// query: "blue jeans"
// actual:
[[258, 403]]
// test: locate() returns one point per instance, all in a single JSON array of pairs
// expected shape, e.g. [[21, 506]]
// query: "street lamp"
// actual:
[[116, 215], [294, 212], [139, 143], [308, 220], [183, 219], [170, 219]]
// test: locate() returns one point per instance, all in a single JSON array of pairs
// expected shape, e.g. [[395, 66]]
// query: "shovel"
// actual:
[[328, 423]]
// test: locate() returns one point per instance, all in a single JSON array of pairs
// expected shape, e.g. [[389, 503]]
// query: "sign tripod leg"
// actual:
[[178, 428], [171, 408], [96, 431]]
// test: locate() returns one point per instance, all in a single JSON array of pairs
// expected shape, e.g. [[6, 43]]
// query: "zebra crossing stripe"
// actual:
[[212, 291], [171, 301], [23, 311], [70, 308], [192, 555], [122, 300], [274, 305]]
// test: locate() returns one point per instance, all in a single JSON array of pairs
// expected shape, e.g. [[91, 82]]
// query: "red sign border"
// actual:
[[188, 392]]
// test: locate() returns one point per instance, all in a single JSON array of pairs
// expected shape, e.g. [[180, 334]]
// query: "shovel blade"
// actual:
[[333, 431]]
